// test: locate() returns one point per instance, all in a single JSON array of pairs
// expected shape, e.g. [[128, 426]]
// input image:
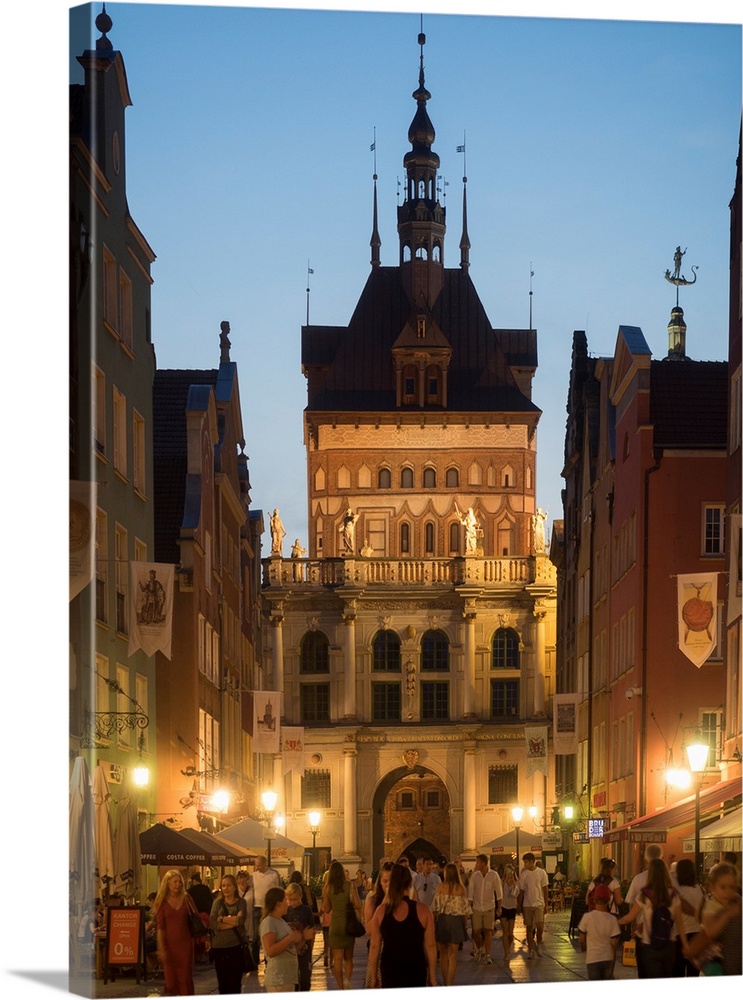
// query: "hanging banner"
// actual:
[[266, 721], [83, 501], [734, 568], [151, 610], [697, 615], [565, 723], [536, 749], [292, 748]]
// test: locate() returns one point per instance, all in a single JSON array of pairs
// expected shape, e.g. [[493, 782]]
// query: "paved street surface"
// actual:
[[562, 961]]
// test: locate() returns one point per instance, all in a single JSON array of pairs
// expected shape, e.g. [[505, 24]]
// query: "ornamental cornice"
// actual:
[[421, 740]]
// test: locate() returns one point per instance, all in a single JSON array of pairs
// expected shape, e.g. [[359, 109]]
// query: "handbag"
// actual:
[[195, 924], [354, 927], [248, 960]]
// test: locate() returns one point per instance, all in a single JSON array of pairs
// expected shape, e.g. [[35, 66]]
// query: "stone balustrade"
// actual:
[[506, 571]]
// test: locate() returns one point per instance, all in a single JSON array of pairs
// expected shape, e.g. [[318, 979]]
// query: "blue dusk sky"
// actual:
[[594, 148]]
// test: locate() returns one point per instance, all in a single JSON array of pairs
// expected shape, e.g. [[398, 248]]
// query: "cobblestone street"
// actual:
[[562, 961]]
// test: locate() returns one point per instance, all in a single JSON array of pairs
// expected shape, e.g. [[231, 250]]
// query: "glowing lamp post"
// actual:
[[269, 799], [315, 817], [697, 755], [517, 814]]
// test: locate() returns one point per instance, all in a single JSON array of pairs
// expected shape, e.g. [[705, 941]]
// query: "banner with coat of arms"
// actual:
[[292, 748], [697, 615], [151, 610], [565, 723], [266, 721], [536, 749]]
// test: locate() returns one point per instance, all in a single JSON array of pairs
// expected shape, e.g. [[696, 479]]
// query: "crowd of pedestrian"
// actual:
[[417, 920]]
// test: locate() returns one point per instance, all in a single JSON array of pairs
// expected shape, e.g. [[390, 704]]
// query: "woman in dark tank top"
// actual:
[[404, 931]]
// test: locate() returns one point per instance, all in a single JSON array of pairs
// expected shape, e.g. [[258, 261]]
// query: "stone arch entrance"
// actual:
[[411, 815]]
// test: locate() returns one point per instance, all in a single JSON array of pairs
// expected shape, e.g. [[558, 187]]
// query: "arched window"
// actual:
[[429, 478], [506, 649], [344, 478], [313, 654], [384, 479], [452, 477], [434, 650], [455, 537], [386, 651], [405, 537], [406, 478], [429, 533]]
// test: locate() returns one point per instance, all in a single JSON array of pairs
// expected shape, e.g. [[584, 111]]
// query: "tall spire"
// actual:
[[375, 242], [464, 243], [421, 219]]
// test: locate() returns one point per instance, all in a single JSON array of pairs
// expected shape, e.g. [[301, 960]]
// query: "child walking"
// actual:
[[599, 935]]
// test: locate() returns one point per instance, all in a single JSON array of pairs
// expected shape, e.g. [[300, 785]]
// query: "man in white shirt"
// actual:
[[485, 892], [533, 883], [636, 886], [263, 879], [425, 882]]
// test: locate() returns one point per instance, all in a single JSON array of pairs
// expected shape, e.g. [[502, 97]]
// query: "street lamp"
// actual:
[[314, 816], [697, 754], [269, 799], [517, 814]]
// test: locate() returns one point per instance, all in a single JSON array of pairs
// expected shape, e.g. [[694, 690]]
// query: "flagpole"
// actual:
[[309, 272], [531, 294]]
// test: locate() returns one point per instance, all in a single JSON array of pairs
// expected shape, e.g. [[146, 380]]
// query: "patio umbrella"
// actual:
[[127, 859], [252, 836], [506, 843], [82, 842], [217, 850], [161, 845], [104, 852]]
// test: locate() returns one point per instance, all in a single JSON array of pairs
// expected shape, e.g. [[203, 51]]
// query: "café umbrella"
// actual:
[[162, 845], [82, 838], [252, 836], [127, 862], [104, 852]]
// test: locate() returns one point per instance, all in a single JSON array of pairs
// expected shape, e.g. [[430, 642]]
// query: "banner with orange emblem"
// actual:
[[697, 615]]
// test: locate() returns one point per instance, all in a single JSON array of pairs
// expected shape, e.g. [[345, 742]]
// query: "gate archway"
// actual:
[[411, 815]]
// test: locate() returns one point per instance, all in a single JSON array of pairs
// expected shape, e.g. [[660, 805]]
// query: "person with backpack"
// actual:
[[637, 884], [659, 906], [606, 877]]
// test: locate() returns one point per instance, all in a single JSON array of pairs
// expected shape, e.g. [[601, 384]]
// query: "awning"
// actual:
[[649, 828], [723, 834]]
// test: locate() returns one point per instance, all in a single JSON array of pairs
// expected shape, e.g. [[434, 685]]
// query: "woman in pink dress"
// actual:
[[174, 941]]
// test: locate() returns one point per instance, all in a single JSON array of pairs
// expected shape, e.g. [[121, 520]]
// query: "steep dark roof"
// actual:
[[688, 403], [169, 399], [351, 368]]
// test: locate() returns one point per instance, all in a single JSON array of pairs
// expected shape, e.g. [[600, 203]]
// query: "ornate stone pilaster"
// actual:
[[470, 617], [350, 756], [277, 647], [540, 665], [349, 660], [469, 826]]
